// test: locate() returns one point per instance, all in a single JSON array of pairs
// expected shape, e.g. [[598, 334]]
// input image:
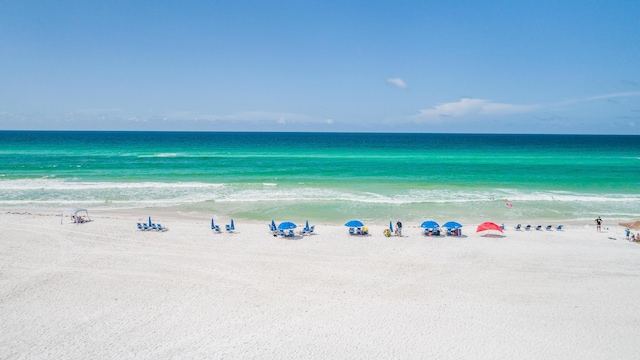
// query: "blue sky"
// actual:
[[375, 66]]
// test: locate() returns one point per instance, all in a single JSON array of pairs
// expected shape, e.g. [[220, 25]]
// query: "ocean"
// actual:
[[325, 177]]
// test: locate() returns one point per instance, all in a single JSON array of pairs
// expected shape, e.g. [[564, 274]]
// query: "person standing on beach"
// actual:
[[598, 223], [398, 228]]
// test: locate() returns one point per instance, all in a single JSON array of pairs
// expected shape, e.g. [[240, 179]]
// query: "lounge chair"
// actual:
[[215, 227], [230, 227], [352, 231], [539, 227], [154, 227], [528, 227], [560, 227], [145, 226], [549, 227], [160, 228], [140, 227], [518, 227], [291, 233], [282, 233]]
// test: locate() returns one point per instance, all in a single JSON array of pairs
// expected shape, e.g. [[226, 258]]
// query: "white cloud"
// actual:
[[468, 107], [329, 121], [397, 82], [602, 97]]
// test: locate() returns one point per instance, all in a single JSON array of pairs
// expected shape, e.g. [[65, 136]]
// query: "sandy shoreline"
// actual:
[[105, 290]]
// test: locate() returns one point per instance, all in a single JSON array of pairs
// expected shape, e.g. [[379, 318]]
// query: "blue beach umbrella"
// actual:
[[354, 223], [452, 225], [390, 226], [429, 224], [212, 224], [286, 225], [273, 224], [306, 224], [149, 220]]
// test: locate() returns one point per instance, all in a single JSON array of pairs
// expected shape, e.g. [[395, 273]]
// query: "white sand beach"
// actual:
[[104, 290]]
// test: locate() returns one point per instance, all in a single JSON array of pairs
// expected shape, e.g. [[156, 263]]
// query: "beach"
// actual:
[[105, 290]]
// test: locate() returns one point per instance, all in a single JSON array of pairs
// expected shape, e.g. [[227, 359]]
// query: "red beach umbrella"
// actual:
[[488, 226]]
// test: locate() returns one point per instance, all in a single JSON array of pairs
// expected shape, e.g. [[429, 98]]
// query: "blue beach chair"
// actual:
[[231, 227], [560, 227], [215, 227]]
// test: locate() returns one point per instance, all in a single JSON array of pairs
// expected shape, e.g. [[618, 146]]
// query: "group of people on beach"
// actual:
[[631, 236]]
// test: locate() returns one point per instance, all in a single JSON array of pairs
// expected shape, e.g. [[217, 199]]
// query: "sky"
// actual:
[[526, 67]]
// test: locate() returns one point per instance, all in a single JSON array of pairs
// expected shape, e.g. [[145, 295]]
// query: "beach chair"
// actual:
[[282, 233], [145, 226], [230, 227], [154, 227], [518, 227], [140, 227], [560, 227], [352, 231], [539, 227], [528, 227], [214, 227], [160, 228], [549, 227], [291, 233]]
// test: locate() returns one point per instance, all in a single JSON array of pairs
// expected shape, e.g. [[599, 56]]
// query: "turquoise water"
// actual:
[[324, 176]]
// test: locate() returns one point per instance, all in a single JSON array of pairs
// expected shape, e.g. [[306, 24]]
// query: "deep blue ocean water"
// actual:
[[325, 176]]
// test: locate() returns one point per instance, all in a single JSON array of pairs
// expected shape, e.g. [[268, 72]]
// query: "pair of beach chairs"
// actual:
[[539, 227], [434, 232], [358, 231], [228, 227], [151, 227]]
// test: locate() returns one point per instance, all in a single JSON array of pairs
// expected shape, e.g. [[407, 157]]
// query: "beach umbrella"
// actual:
[[488, 226], [232, 226], [212, 224], [429, 224], [631, 225], [286, 225], [273, 224], [354, 223], [306, 224], [390, 226], [452, 225], [149, 220]]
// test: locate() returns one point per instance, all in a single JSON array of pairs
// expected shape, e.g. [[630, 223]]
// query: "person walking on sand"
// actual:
[[598, 223], [398, 228]]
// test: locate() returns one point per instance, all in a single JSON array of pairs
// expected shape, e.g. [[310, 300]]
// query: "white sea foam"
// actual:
[[261, 197]]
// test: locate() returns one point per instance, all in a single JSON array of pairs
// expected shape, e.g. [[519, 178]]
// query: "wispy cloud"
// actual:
[[601, 97], [246, 116], [469, 106], [397, 82]]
